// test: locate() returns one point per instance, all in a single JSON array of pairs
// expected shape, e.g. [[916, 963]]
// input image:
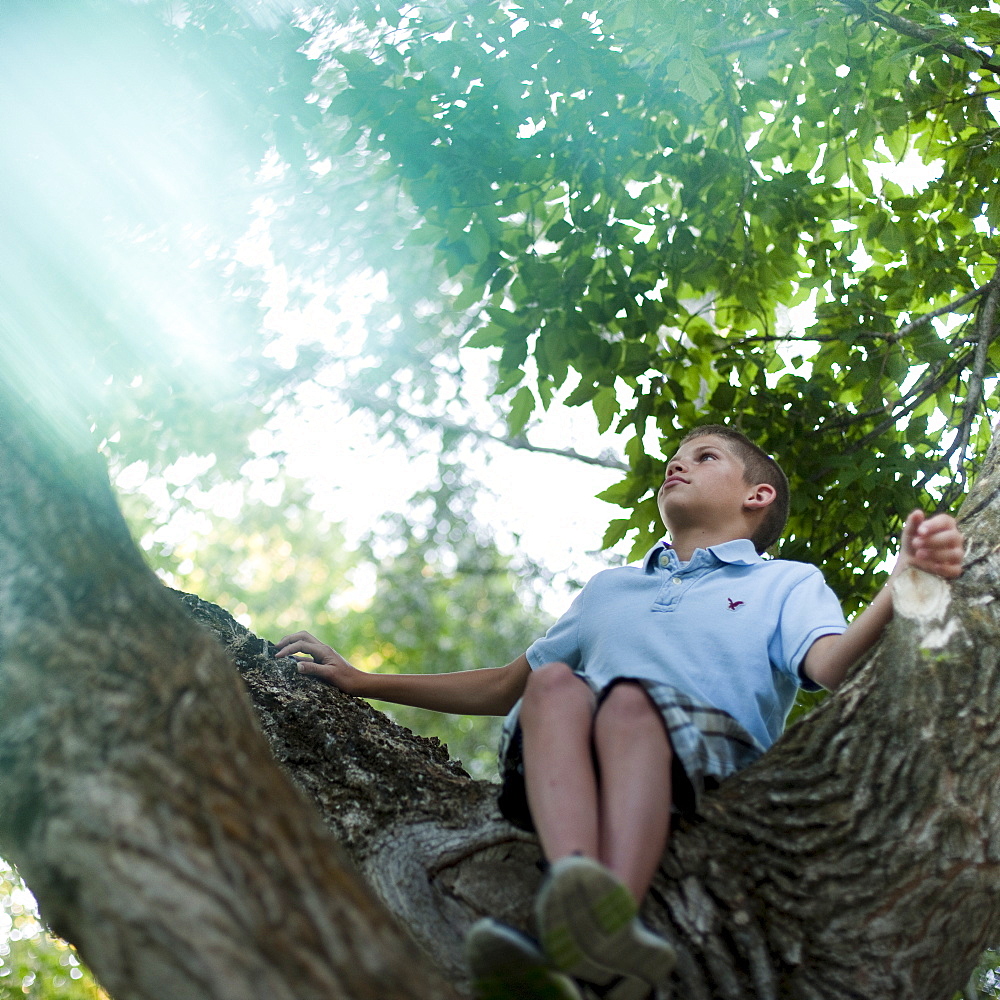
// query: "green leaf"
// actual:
[[558, 231], [491, 335], [520, 409], [615, 532], [622, 493], [583, 393], [877, 224], [891, 237], [605, 405]]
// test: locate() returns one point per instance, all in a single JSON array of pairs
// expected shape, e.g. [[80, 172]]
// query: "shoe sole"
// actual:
[[505, 965], [589, 923]]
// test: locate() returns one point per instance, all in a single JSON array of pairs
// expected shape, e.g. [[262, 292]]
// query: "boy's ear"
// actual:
[[762, 495]]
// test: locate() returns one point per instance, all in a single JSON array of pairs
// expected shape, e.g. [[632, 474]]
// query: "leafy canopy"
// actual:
[[778, 215], [676, 213]]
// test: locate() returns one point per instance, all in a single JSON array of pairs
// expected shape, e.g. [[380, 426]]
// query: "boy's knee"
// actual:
[[627, 705], [553, 683]]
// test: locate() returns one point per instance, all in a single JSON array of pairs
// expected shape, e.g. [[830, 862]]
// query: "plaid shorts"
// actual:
[[708, 744]]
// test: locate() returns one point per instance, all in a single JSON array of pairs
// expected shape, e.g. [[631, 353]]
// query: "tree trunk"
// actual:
[[856, 860], [137, 796]]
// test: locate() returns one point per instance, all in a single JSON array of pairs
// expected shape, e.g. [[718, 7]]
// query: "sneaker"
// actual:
[[589, 926], [507, 965]]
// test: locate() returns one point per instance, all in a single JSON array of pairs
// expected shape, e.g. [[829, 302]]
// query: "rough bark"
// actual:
[[857, 859], [424, 835]]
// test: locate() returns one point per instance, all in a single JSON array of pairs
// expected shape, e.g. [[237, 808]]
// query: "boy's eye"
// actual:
[[705, 455]]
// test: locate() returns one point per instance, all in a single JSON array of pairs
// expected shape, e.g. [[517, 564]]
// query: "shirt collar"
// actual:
[[738, 552]]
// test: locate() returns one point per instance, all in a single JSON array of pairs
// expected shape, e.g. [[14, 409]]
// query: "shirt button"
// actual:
[[677, 579]]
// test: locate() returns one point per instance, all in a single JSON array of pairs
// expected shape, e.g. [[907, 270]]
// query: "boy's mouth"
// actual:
[[673, 481]]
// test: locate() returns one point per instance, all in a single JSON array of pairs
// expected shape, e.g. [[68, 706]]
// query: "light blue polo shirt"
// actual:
[[727, 627]]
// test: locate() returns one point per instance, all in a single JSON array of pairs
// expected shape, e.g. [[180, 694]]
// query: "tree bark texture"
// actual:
[[138, 798], [857, 859]]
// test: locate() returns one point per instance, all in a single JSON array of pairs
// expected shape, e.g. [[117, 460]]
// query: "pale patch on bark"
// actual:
[[920, 597], [938, 638]]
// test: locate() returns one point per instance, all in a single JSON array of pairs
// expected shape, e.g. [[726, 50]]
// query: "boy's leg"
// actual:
[[635, 760], [557, 717], [588, 911]]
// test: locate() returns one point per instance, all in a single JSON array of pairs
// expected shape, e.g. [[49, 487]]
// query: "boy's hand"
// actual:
[[933, 544], [326, 662]]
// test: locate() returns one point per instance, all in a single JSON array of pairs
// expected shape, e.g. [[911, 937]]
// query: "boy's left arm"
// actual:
[[933, 544]]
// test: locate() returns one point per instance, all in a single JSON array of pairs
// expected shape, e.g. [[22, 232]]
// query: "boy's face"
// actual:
[[704, 482]]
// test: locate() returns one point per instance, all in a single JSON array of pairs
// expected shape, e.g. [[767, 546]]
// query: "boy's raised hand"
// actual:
[[933, 544], [326, 662]]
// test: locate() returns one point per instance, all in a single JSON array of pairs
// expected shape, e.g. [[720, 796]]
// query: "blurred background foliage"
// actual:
[[32, 962], [427, 590], [781, 215]]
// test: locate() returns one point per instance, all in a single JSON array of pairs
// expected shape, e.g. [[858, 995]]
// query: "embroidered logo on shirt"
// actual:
[[733, 605]]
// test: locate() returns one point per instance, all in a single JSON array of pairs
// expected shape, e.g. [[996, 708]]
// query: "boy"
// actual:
[[659, 681]]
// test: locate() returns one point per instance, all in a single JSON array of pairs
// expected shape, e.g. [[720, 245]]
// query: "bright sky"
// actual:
[[546, 501]]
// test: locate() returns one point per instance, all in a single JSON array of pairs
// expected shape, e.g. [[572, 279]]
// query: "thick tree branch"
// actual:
[[986, 333], [823, 872]]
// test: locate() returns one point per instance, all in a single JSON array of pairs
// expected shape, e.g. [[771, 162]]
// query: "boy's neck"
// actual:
[[685, 541]]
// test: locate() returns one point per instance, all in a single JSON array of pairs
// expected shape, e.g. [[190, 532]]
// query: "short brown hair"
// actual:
[[758, 467]]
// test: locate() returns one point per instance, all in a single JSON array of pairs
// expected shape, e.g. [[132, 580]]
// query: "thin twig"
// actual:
[[519, 443], [896, 414], [765, 39], [889, 338], [927, 387], [935, 376], [604, 461], [872, 12], [927, 317]]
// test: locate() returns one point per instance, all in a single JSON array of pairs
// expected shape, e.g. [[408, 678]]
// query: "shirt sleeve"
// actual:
[[810, 610], [562, 642]]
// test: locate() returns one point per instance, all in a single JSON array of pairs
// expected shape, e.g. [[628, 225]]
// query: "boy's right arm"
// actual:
[[491, 691], [934, 545]]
